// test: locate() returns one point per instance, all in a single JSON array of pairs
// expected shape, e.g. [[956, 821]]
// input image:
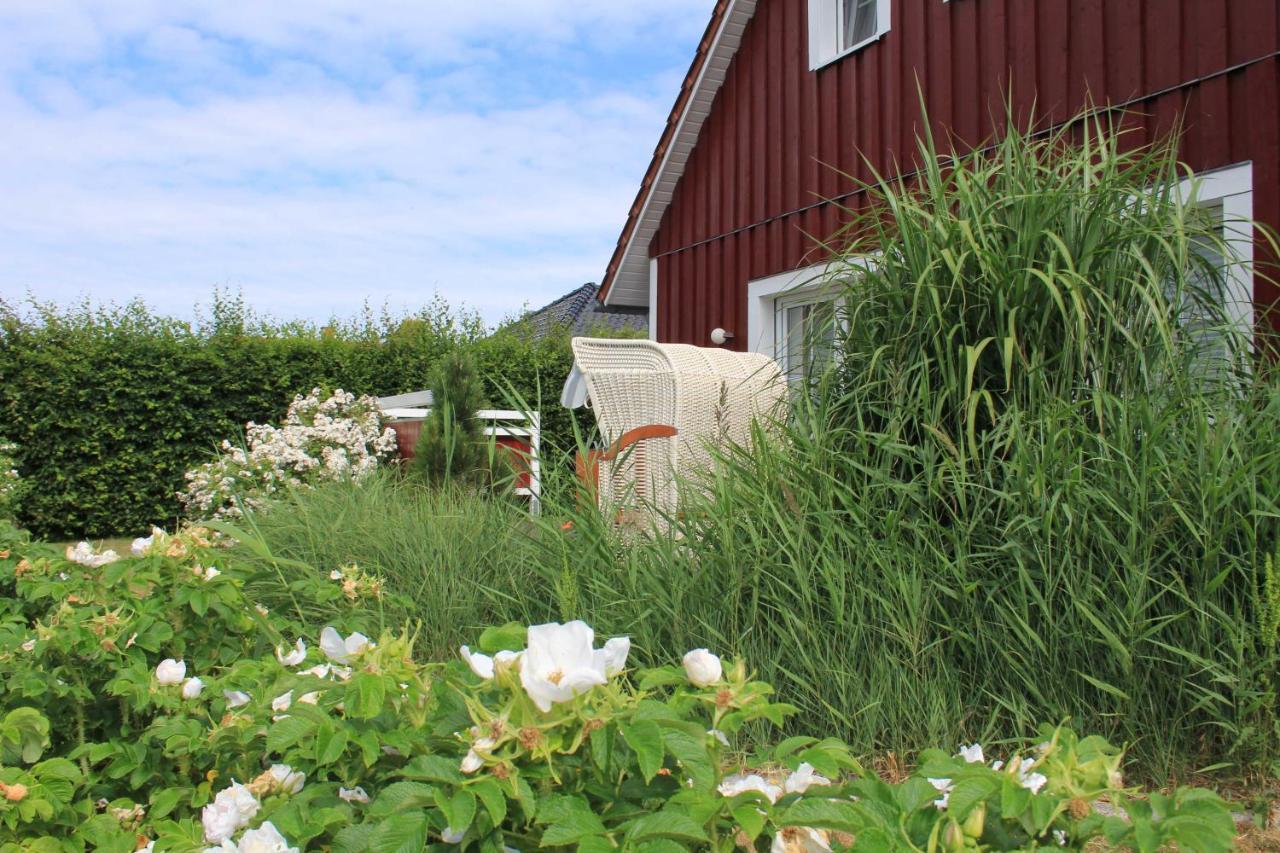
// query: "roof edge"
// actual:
[[662, 164]]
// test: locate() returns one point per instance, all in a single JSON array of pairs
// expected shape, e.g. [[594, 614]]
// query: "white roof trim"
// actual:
[[630, 285]]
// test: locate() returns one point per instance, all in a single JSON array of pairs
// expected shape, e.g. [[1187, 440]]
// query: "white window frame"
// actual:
[[768, 297], [825, 29], [1231, 187]]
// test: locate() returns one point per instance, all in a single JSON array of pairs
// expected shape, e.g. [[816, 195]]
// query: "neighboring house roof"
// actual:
[[626, 281], [581, 312]]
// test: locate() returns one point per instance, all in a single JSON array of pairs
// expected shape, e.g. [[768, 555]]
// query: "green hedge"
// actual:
[[111, 407]]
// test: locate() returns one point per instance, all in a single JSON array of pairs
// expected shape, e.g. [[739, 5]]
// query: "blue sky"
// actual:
[[318, 154]]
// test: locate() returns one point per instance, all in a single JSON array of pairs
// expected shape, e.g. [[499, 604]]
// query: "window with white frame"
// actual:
[[840, 27], [1225, 198], [794, 318]]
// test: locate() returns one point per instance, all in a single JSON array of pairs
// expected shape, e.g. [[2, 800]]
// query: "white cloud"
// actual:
[[318, 154]]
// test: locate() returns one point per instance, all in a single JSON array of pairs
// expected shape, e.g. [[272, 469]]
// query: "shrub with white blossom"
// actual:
[[10, 482], [148, 703], [322, 438]]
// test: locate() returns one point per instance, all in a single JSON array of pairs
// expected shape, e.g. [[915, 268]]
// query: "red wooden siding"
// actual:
[[779, 135]]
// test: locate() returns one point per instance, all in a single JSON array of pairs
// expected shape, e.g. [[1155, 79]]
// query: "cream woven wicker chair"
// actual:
[[661, 407]]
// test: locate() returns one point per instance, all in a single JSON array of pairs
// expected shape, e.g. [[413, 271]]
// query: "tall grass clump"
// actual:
[[1040, 481], [453, 557]]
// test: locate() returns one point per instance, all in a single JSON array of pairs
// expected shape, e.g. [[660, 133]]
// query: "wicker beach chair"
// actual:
[[661, 407]]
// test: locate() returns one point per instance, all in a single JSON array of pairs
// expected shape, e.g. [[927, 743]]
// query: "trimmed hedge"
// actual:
[[111, 407]]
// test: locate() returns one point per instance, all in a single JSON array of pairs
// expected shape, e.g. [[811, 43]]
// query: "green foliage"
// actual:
[[457, 558], [148, 701], [111, 407], [452, 445], [1028, 505]]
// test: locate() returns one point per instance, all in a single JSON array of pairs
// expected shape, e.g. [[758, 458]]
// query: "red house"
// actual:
[[781, 91]]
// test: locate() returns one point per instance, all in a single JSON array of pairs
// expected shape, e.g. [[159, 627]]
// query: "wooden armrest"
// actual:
[[638, 434]]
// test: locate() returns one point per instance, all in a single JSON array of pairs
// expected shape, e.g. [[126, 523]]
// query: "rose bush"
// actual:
[[323, 438], [10, 483], [147, 703]]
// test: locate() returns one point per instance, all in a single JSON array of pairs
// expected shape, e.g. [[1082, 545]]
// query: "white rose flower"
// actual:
[[471, 762], [703, 668], [740, 783], [291, 781], [804, 777], [353, 795], [453, 836], [29, 645], [191, 687], [335, 575], [309, 698], [481, 665], [560, 663], [236, 698], [943, 787], [282, 702], [799, 839], [294, 657], [230, 810], [83, 554], [1033, 782], [614, 654], [342, 650], [972, 753], [264, 839], [211, 573], [141, 545], [171, 671]]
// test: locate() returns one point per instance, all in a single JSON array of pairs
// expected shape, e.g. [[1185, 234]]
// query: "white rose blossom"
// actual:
[[343, 650], [84, 554], [703, 668], [282, 702], [972, 753], [230, 810], [944, 788], [264, 839], [803, 778], [191, 687], [236, 698], [560, 663], [294, 656], [353, 795], [799, 839], [289, 780], [740, 783], [171, 671]]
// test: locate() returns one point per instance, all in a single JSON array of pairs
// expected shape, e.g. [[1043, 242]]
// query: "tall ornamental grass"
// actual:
[[1040, 481]]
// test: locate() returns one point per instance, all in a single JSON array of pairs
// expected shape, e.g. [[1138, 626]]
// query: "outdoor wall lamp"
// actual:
[[719, 336]]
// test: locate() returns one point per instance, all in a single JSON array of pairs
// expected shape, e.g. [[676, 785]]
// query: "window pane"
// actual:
[[1203, 310], [795, 332], [859, 21]]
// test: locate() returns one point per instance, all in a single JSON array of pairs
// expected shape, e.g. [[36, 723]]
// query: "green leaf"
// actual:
[[165, 801], [495, 801], [645, 738], [399, 796], [750, 819], [433, 768], [354, 839], [287, 732], [822, 814], [668, 823], [569, 819], [510, 637], [330, 744], [405, 832], [365, 695]]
